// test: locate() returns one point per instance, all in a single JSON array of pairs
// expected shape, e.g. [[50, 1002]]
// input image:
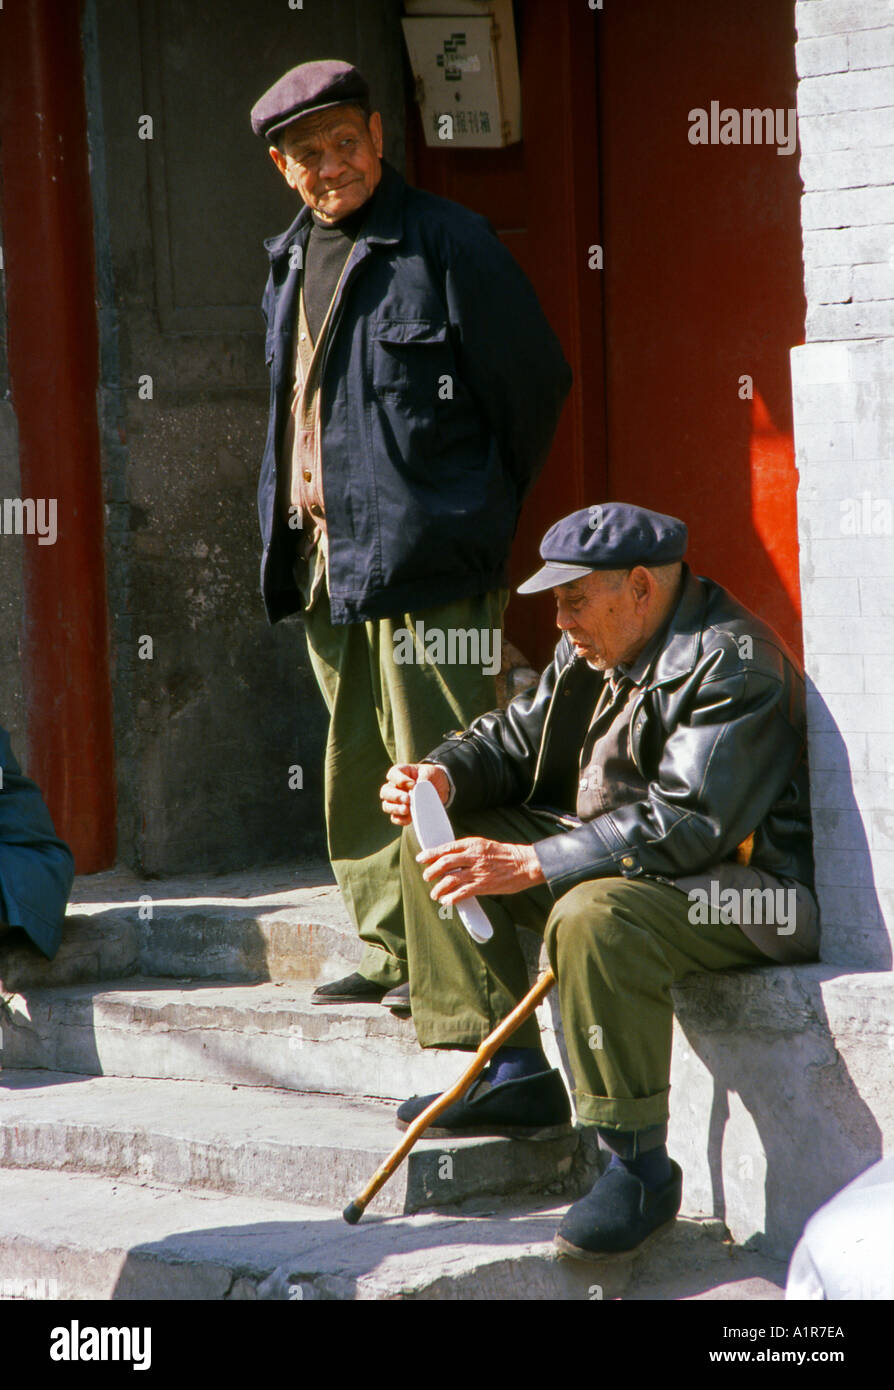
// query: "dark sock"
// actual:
[[513, 1063], [652, 1168]]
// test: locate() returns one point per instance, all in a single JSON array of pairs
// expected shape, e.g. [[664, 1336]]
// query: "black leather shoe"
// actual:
[[398, 1000], [532, 1107], [619, 1215], [353, 989]]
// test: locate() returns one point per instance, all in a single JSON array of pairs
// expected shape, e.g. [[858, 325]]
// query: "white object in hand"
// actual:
[[432, 825]]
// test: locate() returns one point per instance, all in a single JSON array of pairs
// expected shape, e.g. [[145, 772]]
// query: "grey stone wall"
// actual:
[[208, 727], [844, 435]]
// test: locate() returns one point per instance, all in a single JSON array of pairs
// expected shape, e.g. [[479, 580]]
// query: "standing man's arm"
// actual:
[[510, 358]]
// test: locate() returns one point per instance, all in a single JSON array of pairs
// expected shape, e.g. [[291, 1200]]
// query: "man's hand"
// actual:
[[395, 792], [474, 866]]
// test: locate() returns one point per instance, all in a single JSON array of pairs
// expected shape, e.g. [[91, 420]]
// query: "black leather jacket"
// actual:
[[719, 730]]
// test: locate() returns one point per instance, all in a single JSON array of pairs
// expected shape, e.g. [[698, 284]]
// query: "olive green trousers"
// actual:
[[616, 947], [385, 709]]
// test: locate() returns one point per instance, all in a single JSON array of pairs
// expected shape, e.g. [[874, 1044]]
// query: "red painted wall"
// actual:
[[702, 281], [703, 284]]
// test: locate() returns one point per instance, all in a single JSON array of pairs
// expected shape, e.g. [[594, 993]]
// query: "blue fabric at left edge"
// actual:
[[36, 867]]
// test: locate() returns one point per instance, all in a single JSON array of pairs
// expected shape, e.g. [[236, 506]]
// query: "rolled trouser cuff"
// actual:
[[631, 1143], [625, 1115]]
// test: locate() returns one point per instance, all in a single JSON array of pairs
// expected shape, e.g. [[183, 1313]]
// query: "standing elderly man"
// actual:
[[646, 808], [416, 389]]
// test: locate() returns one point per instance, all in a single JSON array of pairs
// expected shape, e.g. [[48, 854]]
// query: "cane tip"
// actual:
[[352, 1213]]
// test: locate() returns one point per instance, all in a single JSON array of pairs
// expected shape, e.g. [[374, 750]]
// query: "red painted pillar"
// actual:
[[54, 366]]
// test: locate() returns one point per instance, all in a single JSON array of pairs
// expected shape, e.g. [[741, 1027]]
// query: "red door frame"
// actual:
[[54, 370]]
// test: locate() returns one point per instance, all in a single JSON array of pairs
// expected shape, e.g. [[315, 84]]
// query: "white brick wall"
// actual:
[[847, 130], [818, 56], [845, 62], [844, 439], [820, 17], [851, 168], [871, 48], [871, 319], [847, 207], [849, 246], [861, 90], [873, 281]]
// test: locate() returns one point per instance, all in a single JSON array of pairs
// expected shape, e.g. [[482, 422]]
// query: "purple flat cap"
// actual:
[[309, 87], [613, 535]]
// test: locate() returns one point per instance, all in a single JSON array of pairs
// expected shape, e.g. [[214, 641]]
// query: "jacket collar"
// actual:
[[681, 644], [384, 225], [684, 637]]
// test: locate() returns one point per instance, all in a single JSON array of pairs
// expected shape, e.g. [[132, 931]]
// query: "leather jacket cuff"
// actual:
[[592, 850], [451, 785], [459, 758]]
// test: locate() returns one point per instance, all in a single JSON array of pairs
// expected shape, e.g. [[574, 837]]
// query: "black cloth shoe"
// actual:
[[398, 1000], [619, 1215], [531, 1107], [353, 989]]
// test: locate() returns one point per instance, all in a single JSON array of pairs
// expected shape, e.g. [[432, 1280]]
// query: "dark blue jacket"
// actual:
[[36, 868], [422, 493]]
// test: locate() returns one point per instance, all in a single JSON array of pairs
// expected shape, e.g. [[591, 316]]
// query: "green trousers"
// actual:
[[615, 945], [384, 709]]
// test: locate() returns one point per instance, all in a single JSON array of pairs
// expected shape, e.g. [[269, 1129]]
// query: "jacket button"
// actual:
[[317, 511], [627, 861], [307, 475]]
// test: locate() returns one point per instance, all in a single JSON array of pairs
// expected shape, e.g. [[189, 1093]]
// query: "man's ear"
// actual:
[[278, 158], [282, 165], [643, 583], [375, 130]]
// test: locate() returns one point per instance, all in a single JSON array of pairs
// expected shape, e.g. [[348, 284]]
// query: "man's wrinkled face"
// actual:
[[333, 159], [606, 615]]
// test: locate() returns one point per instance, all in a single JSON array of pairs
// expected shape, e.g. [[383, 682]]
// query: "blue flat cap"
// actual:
[[610, 536], [307, 88]]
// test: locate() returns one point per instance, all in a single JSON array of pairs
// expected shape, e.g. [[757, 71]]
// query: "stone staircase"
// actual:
[[178, 1121]]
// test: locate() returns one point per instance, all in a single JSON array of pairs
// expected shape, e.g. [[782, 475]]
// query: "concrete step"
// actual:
[[253, 926], [771, 1066], [77, 1236], [248, 1035], [310, 1149]]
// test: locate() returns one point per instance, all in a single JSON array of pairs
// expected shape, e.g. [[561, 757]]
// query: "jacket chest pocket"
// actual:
[[408, 358]]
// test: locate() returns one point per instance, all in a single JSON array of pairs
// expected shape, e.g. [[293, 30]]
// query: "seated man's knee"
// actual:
[[588, 913]]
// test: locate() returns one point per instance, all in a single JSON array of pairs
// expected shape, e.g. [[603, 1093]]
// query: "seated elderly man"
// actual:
[[36, 867], [646, 809]]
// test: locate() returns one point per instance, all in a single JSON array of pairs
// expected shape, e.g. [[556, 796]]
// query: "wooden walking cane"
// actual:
[[354, 1210]]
